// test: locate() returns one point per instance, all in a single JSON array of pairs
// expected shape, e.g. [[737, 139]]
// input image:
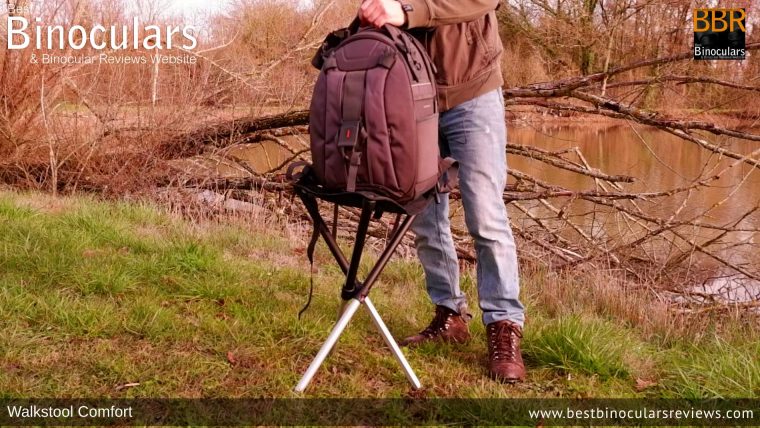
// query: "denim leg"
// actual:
[[475, 135], [435, 248], [436, 251]]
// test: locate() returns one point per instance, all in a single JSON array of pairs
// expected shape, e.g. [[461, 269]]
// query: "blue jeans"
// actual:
[[474, 133]]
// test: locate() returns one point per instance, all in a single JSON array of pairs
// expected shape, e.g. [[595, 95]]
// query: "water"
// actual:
[[659, 161]]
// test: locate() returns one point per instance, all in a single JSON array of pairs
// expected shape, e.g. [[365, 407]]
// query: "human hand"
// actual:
[[380, 12]]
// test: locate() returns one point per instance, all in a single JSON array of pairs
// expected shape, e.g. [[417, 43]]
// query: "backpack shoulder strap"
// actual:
[[310, 254], [293, 176]]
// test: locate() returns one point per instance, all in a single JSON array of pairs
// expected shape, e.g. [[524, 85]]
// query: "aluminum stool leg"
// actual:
[[391, 342], [349, 312]]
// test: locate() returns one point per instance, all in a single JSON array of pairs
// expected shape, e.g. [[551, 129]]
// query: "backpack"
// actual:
[[373, 122], [374, 114]]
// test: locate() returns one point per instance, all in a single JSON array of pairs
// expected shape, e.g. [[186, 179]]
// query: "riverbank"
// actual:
[[531, 116], [124, 300]]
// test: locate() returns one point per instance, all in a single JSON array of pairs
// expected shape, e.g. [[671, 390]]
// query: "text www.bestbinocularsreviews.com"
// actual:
[[641, 414]]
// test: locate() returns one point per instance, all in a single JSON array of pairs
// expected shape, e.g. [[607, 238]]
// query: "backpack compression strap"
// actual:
[[352, 130]]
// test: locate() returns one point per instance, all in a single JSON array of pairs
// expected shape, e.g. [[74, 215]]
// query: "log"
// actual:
[[229, 132]]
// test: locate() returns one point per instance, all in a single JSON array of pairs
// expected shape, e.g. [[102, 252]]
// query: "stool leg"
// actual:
[[350, 290], [349, 312], [391, 342]]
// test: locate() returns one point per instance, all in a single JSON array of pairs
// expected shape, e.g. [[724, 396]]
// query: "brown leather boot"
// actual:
[[505, 361], [447, 326]]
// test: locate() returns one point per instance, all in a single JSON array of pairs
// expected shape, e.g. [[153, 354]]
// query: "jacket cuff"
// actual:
[[417, 13]]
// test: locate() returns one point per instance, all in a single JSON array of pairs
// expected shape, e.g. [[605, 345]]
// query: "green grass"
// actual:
[[576, 345], [95, 295], [716, 368]]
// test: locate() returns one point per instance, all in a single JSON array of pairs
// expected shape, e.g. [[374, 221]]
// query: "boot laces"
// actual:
[[439, 324], [503, 339]]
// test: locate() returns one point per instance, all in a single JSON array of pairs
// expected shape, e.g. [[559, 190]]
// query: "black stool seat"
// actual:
[[371, 204], [358, 198]]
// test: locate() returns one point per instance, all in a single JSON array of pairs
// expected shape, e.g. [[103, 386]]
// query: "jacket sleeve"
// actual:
[[432, 13]]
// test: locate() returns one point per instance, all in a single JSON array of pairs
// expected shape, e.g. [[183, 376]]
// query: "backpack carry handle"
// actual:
[[394, 32], [336, 37], [399, 39]]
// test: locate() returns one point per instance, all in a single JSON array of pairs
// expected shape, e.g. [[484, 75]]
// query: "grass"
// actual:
[[98, 295], [590, 347]]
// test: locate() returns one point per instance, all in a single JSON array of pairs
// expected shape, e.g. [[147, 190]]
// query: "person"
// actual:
[[462, 39]]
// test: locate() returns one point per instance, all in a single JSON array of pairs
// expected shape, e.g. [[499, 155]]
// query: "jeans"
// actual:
[[473, 133]]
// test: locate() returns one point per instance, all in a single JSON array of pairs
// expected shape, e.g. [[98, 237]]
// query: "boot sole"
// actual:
[[436, 340], [503, 379]]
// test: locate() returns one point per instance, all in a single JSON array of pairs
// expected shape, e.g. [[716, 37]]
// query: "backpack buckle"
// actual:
[[349, 133]]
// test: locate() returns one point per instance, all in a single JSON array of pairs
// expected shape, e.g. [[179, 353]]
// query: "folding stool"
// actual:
[[355, 293]]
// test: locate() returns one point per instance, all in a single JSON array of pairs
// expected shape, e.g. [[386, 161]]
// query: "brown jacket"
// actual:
[[462, 38]]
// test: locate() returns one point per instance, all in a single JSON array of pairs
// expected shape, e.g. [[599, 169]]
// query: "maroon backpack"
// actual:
[[374, 114]]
